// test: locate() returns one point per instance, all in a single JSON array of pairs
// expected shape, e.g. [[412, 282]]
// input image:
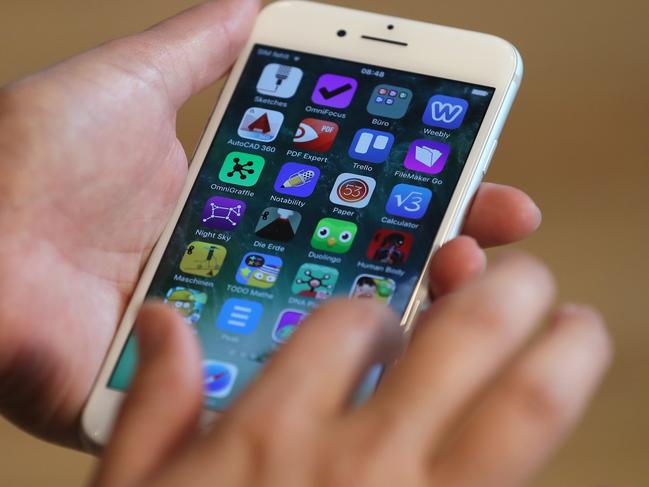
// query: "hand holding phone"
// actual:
[[83, 206]]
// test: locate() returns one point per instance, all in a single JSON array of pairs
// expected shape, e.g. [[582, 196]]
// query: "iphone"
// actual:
[[344, 150]]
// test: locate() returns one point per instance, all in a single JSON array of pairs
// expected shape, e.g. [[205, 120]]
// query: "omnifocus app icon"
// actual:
[[445, 111]]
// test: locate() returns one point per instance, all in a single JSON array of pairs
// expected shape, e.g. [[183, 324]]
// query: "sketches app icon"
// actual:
[[260, 124], [427, 156], [279, 80], [446, 112], [222, 213]]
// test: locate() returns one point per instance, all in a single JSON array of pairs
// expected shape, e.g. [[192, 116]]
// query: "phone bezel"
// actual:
[[311, 27]]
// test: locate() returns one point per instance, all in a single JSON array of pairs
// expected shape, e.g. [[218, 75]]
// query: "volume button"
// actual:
[[490, 154]]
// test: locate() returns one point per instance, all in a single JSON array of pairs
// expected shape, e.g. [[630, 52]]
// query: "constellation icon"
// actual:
[[223, 213]]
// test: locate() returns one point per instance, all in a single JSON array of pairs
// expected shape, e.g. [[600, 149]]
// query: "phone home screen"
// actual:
[[325, 178]]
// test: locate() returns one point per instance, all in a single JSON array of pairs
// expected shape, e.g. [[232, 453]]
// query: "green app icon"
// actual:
[[334, 235], [241, 169]]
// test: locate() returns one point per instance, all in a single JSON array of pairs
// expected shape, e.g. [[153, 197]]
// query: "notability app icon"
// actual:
[[445, 112]]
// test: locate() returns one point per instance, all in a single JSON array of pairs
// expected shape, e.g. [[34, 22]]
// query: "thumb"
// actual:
[[162, 408], [186, 53]]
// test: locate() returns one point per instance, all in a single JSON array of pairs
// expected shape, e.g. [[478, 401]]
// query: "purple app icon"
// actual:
[[334, 91], [286, 324], [427, 156], [223, 213], [297, 179]]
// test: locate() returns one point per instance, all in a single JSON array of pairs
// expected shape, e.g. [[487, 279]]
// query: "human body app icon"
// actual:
[[295, 179], [408, 201], [389, 101], [427, 156], [333, 235], [279, 80], [260, 124], [218, 378], [315, 135], [278, 224], [259, 270], [371, 145], [287, 323], [239, 316], [223, 213], [352, 190], [203, 259], [446, 112], [390, 247], [368, 286], [315, 281], [335, 91], [188, 302], [241, 169]]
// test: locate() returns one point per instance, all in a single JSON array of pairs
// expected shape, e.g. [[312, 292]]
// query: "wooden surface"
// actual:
[[577, 140]]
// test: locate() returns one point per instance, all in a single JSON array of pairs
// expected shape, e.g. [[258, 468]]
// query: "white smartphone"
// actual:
[[345, 149]]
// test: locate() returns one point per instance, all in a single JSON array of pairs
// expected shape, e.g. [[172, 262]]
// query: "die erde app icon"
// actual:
[[334, 90], [315, 135]]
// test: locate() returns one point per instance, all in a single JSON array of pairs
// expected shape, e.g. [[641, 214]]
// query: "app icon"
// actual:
[[297, 179], [239, 316], [315, 281], [352, 190], [334, 235], [315, 135], [259, 270], [223, 213], [279, 80], [408, 201], [390, 247], [203, 259], [188, 302], [241, 169], [445, 111], [334, 91], [260, 124], [427, 156], [369, 286], [389, 101], [218, 378], [286, 325], [371, 145], [278, 224]]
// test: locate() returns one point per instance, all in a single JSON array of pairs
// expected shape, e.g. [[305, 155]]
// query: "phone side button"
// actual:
[[490, 154]]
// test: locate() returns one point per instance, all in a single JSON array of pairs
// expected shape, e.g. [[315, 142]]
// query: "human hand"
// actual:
[[90, 169], [465, 406]]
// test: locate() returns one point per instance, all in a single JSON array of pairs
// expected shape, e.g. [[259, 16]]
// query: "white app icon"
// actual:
[[426, 155], [279, 80], [352, 190], [260, 124]]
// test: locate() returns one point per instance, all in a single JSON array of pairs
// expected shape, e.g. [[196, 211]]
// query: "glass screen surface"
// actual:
[[325, 178]]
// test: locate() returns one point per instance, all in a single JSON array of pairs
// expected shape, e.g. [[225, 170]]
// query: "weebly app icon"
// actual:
[[445, 112]]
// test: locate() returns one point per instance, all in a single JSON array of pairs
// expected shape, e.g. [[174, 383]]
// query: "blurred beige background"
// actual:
[[577, 140]]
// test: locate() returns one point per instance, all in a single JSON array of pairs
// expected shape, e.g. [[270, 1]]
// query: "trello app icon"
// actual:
[[371, 146]]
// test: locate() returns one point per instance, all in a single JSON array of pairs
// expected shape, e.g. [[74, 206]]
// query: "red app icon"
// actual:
[[315, 135], [391, 247]]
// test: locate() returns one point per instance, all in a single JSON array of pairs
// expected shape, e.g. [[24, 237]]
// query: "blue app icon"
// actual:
[[446, 112], [371, 146], [218, 378], [408, 201], [239, 316]]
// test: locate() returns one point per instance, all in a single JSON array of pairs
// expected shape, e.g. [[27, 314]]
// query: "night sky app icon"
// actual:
[[278, 224], [222, 213]]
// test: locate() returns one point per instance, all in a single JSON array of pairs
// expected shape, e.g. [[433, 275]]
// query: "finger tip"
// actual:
[[592, 323], [455, 263]]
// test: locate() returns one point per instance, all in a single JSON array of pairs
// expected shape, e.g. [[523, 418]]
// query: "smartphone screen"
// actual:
[[325, 178]]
